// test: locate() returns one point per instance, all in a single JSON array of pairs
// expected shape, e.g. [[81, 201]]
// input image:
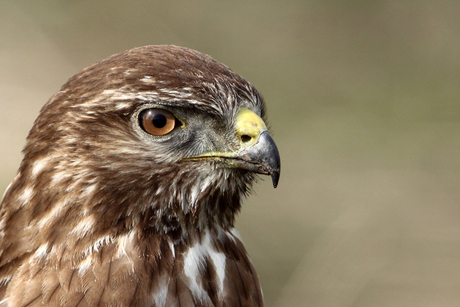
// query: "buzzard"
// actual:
[[131, 178]]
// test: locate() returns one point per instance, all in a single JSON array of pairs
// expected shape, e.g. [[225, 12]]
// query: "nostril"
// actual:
[[245, 138]]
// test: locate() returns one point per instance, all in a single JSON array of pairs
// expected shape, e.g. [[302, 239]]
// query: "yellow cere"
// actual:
[[249, 124]]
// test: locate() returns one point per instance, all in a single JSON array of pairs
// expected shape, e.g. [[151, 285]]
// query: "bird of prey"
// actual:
[[131, 178]]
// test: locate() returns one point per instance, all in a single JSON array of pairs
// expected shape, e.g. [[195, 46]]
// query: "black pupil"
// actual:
[[159, 120]]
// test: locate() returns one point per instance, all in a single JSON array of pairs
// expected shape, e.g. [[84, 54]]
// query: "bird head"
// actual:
[[158, 137]]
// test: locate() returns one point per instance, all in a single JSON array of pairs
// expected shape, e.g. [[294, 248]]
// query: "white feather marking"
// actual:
[[173, 250], [118, 95], [219, 263], [38, 166], [195, 193], [123, 244], [122, 105], [160, 296], [205, 183], [108, 93], [121, 250], [194, 264], [148, 80], [97, 245], [59, 177], [159, 190], [5, 280], [88, 191], [41, 252], [71, 140], [102, 241], [107, 97], [176, 94], [128, 71], [55, 212], [26, 196], [200, 187], [128, 150], [84, 226], [84, 265]]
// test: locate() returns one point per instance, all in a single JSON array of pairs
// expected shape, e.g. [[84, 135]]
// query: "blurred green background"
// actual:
[[363, 97]]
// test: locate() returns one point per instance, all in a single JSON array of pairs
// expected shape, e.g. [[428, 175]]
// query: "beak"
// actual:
[[257, 152], [262, 157]]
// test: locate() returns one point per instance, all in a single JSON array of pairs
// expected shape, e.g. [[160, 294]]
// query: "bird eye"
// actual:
[[157, 121]]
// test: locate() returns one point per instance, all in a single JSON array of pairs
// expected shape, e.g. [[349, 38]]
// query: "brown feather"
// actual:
[[102, 215]]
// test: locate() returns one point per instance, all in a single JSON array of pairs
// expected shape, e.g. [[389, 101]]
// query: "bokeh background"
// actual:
[[363, 98]]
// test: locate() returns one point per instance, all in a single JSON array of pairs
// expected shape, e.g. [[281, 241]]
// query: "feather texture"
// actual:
[[102, 214]]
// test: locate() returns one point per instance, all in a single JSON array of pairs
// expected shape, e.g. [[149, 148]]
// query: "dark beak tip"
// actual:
[[275, 178]]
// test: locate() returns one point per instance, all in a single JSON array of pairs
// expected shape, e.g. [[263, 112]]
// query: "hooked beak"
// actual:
[[262, 157], [257, 153]]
